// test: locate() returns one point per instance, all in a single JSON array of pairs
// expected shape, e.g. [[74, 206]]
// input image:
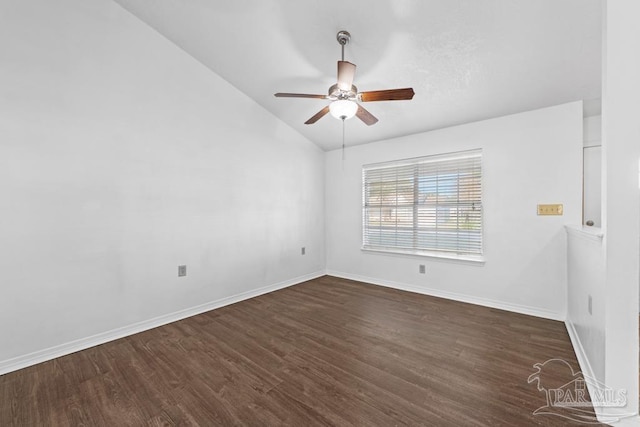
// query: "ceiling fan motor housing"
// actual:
[[336, 93]]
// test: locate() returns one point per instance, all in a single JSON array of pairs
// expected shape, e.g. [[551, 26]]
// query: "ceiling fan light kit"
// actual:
[[344, 96], [343, 109]]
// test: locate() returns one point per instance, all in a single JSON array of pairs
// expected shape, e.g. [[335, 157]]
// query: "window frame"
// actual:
[[447, 160]]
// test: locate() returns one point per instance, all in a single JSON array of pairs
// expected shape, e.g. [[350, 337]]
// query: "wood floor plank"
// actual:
[[322, 353], [397, 410]]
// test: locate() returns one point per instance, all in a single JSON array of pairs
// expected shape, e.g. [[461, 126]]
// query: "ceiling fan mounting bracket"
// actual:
[[343, 37]]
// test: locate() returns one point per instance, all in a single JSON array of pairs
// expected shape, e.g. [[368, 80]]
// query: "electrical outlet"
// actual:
[[182, 270], [303, 250], [590, 305], [423, 269]]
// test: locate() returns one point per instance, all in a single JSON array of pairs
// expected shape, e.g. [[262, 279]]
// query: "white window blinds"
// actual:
[[426, 204]]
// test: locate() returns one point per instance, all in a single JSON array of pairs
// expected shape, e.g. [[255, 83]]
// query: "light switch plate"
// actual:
[[550, 209]]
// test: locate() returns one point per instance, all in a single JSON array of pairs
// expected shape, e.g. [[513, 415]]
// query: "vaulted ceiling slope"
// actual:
[[467, 60]]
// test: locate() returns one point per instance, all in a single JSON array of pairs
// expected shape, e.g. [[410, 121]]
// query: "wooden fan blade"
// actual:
[[387, 95], [299, 95], [368, 118], [317, 116], [346, 72]]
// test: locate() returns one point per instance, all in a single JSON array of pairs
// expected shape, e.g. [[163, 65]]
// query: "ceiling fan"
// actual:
[[344, 95]]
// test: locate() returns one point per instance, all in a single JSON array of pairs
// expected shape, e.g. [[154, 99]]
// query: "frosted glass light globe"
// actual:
[[343, 109]]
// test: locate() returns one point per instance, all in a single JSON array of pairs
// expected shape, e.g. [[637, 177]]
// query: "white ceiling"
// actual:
[[467, 60]]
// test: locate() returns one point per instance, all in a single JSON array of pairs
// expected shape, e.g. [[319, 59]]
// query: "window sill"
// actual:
[[475, 259]]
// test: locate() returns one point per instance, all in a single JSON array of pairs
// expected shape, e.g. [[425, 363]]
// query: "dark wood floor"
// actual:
[[325, 352]]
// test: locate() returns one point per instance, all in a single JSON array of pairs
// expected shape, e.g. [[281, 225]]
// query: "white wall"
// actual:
[[528, 158], [606, 341], [586, 273], [592, 130], [621, 196], [122, 157], [592, 185], [592, 161]]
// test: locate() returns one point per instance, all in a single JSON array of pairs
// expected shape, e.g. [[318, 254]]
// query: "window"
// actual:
[[426, 206]]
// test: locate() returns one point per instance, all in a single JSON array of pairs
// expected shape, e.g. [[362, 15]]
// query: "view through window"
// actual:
[[424, 205]]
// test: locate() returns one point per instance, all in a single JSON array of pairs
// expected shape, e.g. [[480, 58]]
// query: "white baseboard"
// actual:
[[583, 361], [581, 355], [610, 418], [43, 355], [522, 309]]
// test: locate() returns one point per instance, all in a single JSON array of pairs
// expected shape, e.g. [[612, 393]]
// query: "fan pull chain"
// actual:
[[343, 143]]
